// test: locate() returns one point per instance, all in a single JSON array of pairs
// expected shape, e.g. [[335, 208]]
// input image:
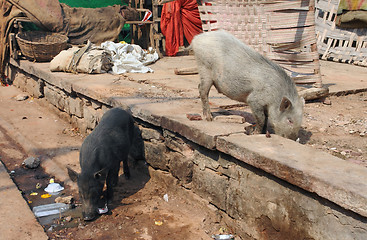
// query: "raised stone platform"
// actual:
[[263, 187]]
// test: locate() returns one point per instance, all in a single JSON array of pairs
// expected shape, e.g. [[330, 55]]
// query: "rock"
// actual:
[[32, 162], [327, 101], [355, 154], [21, 97], [194, 116], [66, 200], [230, 119]]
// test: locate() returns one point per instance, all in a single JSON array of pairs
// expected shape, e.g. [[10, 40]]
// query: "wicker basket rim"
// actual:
[[61, 38]]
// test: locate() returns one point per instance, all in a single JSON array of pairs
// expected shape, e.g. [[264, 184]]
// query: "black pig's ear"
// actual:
[[72, 174], [101, 174], [285, 104]]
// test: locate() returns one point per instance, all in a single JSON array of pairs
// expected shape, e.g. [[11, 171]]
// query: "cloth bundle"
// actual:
[[89, 59], [116, 58]]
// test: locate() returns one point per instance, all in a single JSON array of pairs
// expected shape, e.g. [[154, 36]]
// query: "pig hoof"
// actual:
[[209, 118], [88, 217]]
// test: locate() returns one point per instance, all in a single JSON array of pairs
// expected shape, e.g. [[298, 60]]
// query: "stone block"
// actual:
[[206, 158], [57, 97], [181, 167], [32, 85], [156, 155], [76, 107], [90, 117], [150, 133], [20, 81], [96, 105], [211, 186], [177, 143], [79, 123]]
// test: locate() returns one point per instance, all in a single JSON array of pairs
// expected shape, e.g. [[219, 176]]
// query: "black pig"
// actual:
[[100, 156]]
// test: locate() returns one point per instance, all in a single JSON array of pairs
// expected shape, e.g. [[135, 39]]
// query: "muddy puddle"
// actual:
[[32, 183]]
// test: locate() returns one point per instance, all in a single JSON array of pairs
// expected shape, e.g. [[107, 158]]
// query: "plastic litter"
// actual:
[[50, 209], [33, 194], [54, 188], [165, 197], [223, 236], [47, 195], [103, 210], [158, 223]]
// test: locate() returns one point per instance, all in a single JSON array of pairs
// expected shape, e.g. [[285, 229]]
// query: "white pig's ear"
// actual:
[[101, 174], [72, 174], [285, 104]]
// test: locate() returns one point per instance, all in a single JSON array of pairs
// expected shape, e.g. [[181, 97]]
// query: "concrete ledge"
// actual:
[[212, 175], [330, 177]]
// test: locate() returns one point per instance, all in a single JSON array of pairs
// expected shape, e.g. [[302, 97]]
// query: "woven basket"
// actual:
[[282, 30], [337, 44], [41, 46]]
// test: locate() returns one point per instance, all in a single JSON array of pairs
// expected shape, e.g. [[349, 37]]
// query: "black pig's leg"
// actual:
[[111, 181], [125, 166]]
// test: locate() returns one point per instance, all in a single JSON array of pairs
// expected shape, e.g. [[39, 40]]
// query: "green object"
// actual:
[[125, 32], [92, 3]]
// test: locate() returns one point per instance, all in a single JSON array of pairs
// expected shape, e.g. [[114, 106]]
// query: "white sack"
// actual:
[[130, 57]]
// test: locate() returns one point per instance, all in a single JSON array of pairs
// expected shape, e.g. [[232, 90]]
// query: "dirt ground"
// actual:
[[139, 210], [337, 125]]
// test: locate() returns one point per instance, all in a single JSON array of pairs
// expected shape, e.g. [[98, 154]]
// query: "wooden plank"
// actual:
[[314, 93], [186, 71], [303, 56]]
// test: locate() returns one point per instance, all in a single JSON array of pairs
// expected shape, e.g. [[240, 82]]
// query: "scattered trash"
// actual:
[[165, 197], [29, 201], [31, 162], [12, 172], [103, 210], [158, 223], [21, 97], [66, 200], [52, 180], [38, 186], [194, 116], [50, 229], [223, 236], [33, 194], [68, 219], [50, 209], [54, 188], [47, 195], [223, 233]]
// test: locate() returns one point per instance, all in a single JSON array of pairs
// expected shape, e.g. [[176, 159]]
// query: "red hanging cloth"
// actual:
[[178, 19]]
